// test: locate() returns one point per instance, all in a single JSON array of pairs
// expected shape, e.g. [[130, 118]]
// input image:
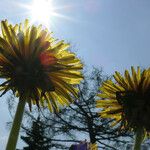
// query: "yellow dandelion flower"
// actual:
[[37, 67], [93, 146], [127, 100]]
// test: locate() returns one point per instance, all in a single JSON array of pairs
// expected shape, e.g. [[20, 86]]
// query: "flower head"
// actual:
[[93, 146], [36, 67], [127, 100]]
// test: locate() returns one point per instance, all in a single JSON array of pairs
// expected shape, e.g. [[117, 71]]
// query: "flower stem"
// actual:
[[138, 139], [13, 136]]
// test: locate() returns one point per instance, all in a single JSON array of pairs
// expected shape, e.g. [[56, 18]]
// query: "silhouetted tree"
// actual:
[[35, 137], [80, 120]]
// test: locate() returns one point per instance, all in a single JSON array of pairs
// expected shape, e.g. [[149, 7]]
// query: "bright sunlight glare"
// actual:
[[45, 12], [42, 11]]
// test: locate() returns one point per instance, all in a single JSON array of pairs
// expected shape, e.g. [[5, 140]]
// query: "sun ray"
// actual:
[[45, 12]]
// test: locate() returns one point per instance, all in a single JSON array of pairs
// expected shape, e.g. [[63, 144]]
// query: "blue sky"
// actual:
[[114, 34]]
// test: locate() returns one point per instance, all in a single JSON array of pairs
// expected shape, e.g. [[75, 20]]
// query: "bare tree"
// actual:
[[80, 120]]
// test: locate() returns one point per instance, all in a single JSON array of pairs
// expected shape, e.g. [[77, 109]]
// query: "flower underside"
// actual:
[[128, 100], [36, 67]]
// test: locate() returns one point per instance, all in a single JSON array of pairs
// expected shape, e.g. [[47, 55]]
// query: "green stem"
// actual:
[[138, 139], [13, 136]]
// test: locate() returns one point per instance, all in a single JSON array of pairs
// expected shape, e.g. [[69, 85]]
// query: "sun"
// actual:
[[41, 11], [45, 12]]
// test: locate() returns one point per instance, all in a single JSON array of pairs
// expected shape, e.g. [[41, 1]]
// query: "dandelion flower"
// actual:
[[37, 67], [93, 146], [127, 100]]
